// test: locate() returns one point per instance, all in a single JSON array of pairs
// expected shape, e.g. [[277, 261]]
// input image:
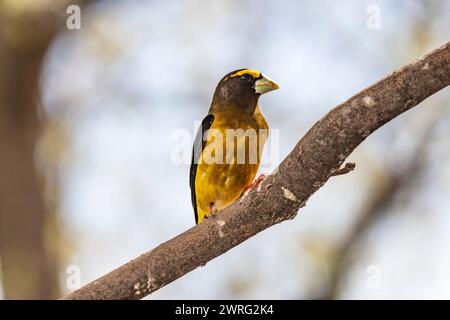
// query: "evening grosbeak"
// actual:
[[229, 143]]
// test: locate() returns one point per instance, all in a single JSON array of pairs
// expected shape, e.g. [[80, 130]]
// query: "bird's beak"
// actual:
[[265, 84]]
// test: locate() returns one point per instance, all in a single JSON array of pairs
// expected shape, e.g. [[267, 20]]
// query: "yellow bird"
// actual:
[[229, 143]]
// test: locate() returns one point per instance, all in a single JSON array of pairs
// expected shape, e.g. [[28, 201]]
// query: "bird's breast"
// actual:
[[235, 139], [230, 159]]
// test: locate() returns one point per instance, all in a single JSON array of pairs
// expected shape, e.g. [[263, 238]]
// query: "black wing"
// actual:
[[199, 144]]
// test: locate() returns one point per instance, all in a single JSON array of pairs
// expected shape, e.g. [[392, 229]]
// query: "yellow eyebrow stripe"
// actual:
[[255, 74]]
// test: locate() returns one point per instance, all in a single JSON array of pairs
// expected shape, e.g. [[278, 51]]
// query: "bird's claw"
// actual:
[[256, 182], [212, 212]]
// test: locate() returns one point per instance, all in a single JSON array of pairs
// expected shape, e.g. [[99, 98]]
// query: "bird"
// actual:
[[229, 142]]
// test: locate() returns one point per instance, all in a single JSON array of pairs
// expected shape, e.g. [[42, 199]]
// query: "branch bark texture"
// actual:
[[318, 156]]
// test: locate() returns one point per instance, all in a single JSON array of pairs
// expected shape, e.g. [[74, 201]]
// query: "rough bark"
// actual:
[[317, 156]]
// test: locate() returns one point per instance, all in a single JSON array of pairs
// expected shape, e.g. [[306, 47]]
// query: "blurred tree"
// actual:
[[29, 269]]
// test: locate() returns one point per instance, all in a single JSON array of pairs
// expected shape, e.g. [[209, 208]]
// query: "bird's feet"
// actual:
[[212, 211], [256, 182]]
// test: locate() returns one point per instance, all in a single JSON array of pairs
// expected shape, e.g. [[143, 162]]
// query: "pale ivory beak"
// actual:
[[265, 84]]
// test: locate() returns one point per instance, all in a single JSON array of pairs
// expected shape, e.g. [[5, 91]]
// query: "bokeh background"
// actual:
[[88, 137]]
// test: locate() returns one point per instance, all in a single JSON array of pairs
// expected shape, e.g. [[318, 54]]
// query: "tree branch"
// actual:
[[393, 183], [316, 157]]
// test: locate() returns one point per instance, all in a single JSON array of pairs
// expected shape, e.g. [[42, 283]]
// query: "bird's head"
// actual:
[[241, 89]]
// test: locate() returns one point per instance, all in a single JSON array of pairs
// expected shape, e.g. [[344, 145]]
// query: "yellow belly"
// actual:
[[228, 164], [220, 185]]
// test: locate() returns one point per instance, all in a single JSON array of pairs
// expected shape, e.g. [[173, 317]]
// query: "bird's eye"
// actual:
[[246, 77]]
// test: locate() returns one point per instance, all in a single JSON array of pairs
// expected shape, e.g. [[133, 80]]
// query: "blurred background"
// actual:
[[92, 173]]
